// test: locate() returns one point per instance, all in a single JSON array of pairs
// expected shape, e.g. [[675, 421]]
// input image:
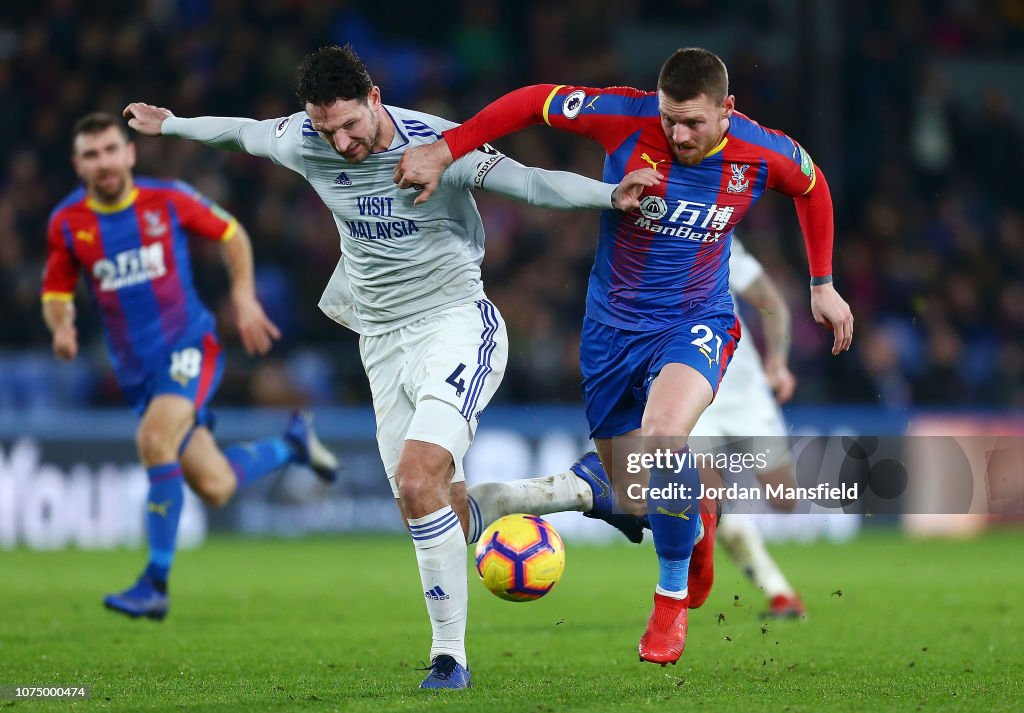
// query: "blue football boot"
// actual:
[[311, 451], [142, 599], [446, 672], [589, 469]]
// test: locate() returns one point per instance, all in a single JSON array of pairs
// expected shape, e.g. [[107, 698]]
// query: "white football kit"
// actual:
[[408, 281], [744, 406]]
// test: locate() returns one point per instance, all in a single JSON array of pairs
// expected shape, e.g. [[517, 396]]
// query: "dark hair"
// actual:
[[692, 71], [332, 73], [96, 122]]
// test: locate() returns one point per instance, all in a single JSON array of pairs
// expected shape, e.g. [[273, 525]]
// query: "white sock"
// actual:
[[535, 496], [441, 556], [674, 595], [743, 541]]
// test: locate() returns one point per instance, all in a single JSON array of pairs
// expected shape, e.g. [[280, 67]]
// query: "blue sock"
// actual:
[[252, 461], [163, 511], [673, 507]]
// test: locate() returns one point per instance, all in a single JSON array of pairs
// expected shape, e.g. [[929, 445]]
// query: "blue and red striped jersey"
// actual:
[[135, 258], [668, 260]]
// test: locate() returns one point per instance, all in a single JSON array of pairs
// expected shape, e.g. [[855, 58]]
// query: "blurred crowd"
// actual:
[[921, 142]]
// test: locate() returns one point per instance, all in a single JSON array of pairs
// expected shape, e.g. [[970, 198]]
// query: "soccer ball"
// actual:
[[520, 557]]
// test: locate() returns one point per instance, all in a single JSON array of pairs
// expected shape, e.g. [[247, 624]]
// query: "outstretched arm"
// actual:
[[563, 190], [574, 109], [233, 134]]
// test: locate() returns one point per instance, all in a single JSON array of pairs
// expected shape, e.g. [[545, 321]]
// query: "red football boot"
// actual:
[[665, 636], [786, 606], [702, 561]]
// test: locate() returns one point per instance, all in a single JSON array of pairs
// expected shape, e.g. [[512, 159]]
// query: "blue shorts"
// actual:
[[619, 365], [193, 370]]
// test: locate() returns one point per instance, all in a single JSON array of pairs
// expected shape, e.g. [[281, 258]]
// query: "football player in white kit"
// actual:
[[746, 410], [408, 282]]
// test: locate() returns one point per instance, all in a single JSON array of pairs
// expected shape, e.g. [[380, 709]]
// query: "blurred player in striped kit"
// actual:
[[129, 237], [408, 282]]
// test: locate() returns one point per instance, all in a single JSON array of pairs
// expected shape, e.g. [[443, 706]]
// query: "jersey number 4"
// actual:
[[455, 379]]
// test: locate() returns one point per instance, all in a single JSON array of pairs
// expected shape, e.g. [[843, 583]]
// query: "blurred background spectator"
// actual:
[[913, 111]]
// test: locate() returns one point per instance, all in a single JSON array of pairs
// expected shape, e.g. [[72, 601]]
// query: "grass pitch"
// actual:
[[340, 625]]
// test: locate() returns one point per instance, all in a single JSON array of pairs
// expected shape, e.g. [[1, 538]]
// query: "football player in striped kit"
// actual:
[[129, 237]]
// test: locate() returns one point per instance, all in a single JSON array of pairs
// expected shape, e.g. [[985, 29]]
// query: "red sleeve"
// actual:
[[792, 172], [61, 273], [201, 216], [814, 209], [606, 115]]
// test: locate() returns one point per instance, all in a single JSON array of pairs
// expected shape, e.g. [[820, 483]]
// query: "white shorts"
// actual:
[[431, 379], [744, 408]]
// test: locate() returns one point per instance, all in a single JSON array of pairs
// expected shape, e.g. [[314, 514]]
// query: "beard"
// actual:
[[107, 190], [362, 148], [360, 151], [688, 156]]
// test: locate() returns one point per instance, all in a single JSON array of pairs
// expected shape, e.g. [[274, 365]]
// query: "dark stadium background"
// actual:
[[912, 110]]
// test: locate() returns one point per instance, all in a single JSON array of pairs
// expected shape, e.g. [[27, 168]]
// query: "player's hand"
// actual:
[[257, 332], [831, 310], [780, 379], [65, 343], [627, 195], [421, 167], [146, 118]]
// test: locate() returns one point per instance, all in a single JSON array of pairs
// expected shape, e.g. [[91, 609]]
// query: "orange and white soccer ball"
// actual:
[[520, 557]]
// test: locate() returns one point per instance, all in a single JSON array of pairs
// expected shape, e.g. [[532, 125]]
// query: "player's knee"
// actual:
[[154, 447], [216, 494], [416, 486], [424, 477], [662, 432], [212, 479]]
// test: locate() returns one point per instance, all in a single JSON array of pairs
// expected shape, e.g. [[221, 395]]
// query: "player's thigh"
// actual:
[[678, 396], [192, 370], [613, 363], [458, 359], [385, 358], [164, 425], [686, 367], [206, 469]]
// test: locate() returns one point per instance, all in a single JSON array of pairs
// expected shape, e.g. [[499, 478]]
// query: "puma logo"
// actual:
[[682, 515], [648, 159], [160, 508]]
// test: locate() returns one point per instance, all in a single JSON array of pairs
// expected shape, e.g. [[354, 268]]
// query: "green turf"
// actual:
[[340, 625]]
